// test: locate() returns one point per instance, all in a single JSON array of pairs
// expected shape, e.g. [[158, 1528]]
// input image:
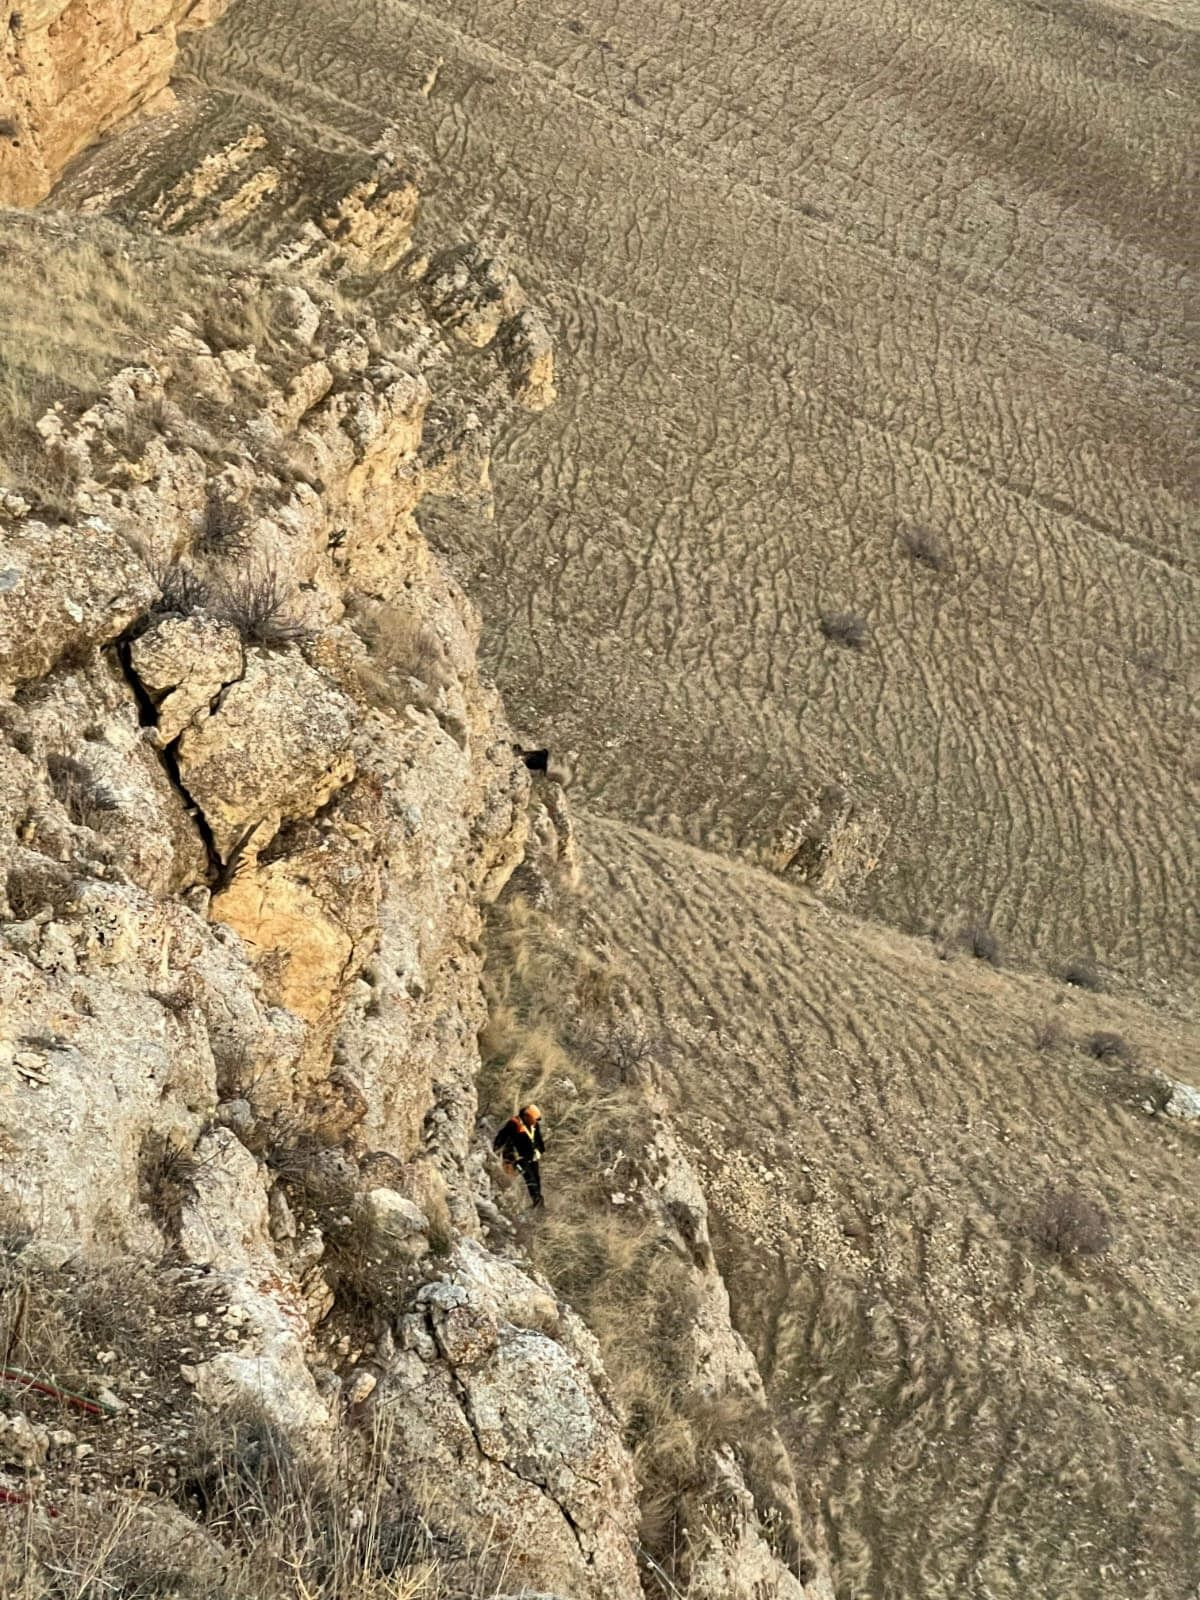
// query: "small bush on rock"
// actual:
[[34, 886], [257, 603], [86, 801], [222, 530]]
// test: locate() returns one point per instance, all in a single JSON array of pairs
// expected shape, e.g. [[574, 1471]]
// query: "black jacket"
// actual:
[[519, 1143]]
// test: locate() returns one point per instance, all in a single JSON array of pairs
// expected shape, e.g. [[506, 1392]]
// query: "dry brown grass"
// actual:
[[259, 603], [36, 884], [1068, 1223], [607, 1252], [88, 802], [407, 664]]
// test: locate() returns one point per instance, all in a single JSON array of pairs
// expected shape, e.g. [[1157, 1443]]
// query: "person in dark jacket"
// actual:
[[521, 1147]]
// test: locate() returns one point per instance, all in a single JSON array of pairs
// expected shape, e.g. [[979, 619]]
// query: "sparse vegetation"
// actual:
[[846, 628], [1104, 1046], [978, 939], [622, 1262], [1068, 1224], [222, 529], [37, 884], [88, 802], [258, 604], [404, 651], [1082, 975], [181, 590], [167, 1173], [923, 546], [1049, 1034]]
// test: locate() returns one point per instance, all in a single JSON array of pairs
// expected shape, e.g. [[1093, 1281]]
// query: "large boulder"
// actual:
[[531, 1472], [278, 745]]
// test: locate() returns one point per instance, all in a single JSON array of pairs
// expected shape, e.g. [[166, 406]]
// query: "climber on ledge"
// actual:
[[521, 1148]]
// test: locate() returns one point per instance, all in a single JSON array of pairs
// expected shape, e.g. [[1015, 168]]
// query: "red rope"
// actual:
[[95, 1408]]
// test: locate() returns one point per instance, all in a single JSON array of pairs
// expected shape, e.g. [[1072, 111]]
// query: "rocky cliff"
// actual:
[[255, 797], [71, 69]]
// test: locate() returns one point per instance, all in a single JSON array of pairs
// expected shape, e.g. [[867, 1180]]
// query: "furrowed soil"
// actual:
[[824, 274], [875, 313]]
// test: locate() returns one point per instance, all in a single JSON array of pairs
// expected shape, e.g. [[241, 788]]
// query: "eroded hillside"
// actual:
[[847, 570]]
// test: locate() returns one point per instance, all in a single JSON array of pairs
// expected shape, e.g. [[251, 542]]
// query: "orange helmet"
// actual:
[[531, 1114]]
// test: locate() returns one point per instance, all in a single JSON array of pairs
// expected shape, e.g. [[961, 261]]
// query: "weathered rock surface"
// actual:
[[70, 70], [504, 1418]]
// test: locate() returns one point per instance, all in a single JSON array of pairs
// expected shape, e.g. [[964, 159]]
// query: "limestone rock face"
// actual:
[[505, 1419], [71, 69], [183, 663], [63, 589], [276, 746]]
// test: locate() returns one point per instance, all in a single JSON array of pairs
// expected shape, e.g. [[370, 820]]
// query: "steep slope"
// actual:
[[834, 278], [877, 1125]]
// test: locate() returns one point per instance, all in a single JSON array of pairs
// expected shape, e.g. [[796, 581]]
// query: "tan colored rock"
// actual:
[[63, 589], [472, 294], [520, 1456], [276, 747], [71, 70], [527, 351], [183, 663], [22, 1446]]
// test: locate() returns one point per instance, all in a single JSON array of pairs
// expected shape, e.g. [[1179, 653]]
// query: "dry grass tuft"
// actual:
[[258, 603], [408, 662], [37, 884], [1049, 1034], [1082, 975], [88, 802], [1110, 1047], [922, 546], [222, 529], [977, 938], [167, 1173], [181, 591]]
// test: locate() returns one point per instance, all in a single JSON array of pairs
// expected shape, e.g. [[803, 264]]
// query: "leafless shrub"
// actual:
[[1069, 1224], [181, 591], [222, 529], [624, 1050], [846, 628], [976, 937], [88, 802], [167, 1173], [1049, 1034], [39, 885], [923, 546], [257, 603], [1110, 1047], [1083, 975]]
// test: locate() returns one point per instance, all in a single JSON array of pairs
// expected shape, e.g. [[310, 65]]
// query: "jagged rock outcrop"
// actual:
[[254, 795], [491, 1397], [71, 69]]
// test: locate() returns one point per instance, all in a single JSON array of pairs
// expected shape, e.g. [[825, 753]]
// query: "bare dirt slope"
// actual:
[[830, 273], [876, 1128], [875, 311]]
